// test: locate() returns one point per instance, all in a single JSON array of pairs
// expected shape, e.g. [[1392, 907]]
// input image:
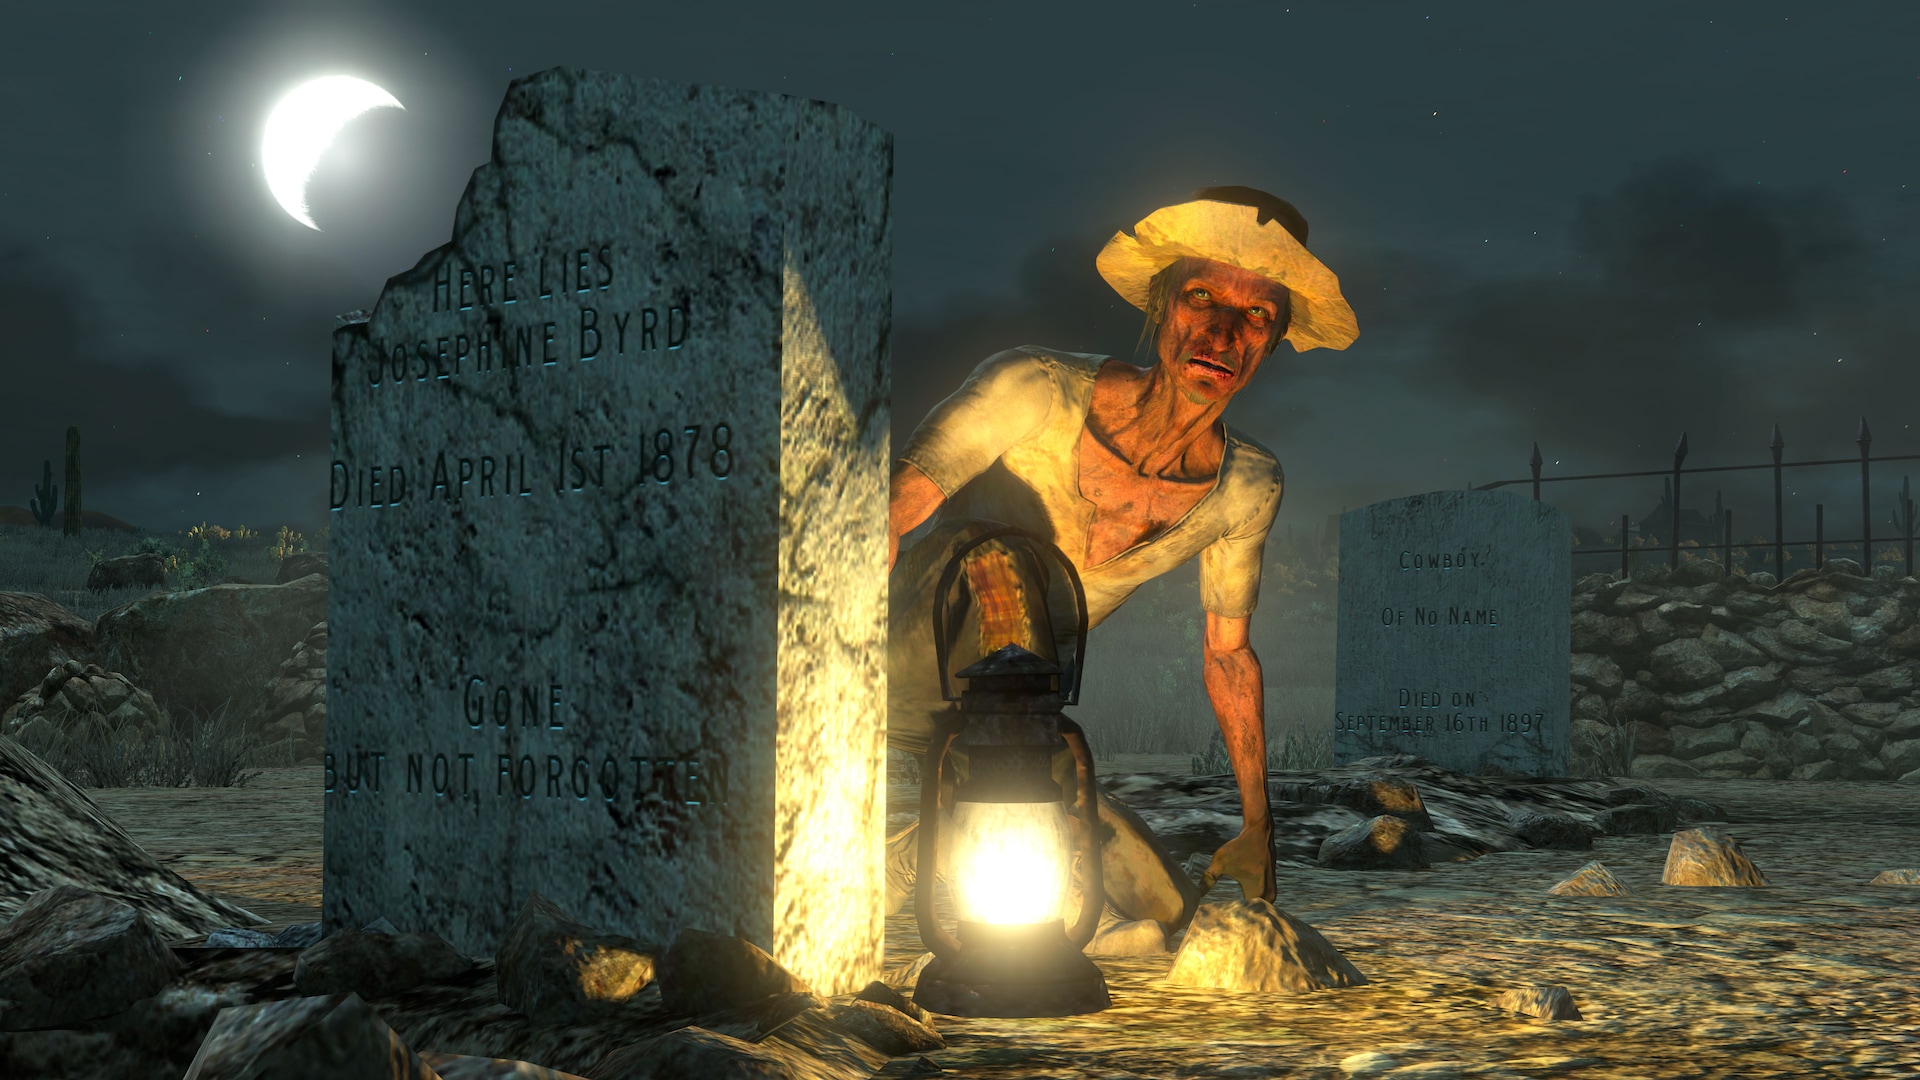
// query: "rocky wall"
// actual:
[[1688, 672]]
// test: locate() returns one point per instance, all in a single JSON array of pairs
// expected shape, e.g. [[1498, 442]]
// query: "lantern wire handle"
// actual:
[[1093, 896], [942, 943], [1071, 692]]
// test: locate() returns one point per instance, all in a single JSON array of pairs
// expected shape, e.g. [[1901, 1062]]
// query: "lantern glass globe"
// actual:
[[1011, 861]]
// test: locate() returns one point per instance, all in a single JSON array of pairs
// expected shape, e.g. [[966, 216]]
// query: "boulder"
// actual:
[[375, 965], [188, 647], [1381, 843], [882, 994], [310, 1038], [70, 955], [73, 694], [1708, 856], [1896, 877], [145, 570], [37, 634], [52, 834], [1250, 945], [704, 972], [557, 970], [299, 565], [1636, 819], [1593, 879], [1545, 1002], [1551, 830]]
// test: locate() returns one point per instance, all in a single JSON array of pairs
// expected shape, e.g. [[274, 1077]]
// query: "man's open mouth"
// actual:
[[1210, 367]]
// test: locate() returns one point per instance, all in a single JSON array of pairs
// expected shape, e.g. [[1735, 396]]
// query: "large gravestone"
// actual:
[[608, 549], [1454, 631]]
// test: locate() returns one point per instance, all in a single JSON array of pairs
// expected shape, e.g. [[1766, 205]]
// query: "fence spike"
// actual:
[[1776, 444], [1680, 451], [1865, 437]]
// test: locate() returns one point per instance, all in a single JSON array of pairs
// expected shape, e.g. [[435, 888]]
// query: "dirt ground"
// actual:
[[1817, 975]]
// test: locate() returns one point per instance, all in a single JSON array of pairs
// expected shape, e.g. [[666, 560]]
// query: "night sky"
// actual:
[[1594, 226]]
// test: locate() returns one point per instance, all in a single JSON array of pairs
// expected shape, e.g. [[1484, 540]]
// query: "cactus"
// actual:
[[46, 495], [73, 483]]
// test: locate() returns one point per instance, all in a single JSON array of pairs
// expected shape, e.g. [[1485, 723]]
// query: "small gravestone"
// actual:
[[608, 567], [1454, 626]]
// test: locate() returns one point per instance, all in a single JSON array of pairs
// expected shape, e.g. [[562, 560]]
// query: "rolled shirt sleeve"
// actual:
[[1008, 397], [1230, 566]]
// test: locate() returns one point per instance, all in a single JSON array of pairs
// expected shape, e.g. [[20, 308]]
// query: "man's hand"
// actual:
[[911, 499]]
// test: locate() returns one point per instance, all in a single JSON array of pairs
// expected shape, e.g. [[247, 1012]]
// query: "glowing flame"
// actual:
[[1011, 861]]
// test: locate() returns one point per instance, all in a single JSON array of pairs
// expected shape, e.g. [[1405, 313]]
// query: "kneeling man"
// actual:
[[1129, 471]]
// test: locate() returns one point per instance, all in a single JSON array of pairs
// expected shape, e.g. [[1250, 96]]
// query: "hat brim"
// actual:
[[1231, 233]]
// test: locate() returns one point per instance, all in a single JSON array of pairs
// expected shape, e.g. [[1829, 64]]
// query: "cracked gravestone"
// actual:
[[608, 573]]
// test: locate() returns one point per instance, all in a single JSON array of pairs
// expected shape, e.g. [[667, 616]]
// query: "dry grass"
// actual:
[[36, 560]]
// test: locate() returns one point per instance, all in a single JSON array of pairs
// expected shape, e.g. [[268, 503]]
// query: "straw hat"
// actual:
[[1235, 234]]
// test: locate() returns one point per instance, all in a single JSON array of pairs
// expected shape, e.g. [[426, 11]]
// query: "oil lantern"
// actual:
[[1011, 839]]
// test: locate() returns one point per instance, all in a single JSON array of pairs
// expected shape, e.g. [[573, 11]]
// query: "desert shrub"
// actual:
[[287, 542], [212, 748], [1602, 755], [204, 567]]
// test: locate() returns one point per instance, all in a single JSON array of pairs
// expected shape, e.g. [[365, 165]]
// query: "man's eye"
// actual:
[[1258, 313], [1200, 294]]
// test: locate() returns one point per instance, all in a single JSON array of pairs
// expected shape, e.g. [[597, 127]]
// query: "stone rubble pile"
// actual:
[[1688, 673], [381, 1002]]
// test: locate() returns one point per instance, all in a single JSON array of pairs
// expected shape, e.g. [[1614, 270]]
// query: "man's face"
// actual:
[[1221, 322]]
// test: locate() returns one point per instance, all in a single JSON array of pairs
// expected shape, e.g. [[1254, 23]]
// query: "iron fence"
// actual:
[[1903, 519]]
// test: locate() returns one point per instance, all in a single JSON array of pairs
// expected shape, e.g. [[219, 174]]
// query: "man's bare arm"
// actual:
[[911, 499], [1232, 674]]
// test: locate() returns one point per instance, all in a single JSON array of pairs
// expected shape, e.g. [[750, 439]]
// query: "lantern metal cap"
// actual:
[[1010, 659]]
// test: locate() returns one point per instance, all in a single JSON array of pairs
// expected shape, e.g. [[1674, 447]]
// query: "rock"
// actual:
[[37, 634], [1708, 856], [693, 1053], [1545, 1002], [1137, 937], [462, 1067], [1250, 945], [381, 926], [886, 1029], [1695, 811], [1685, 664], [52, 834], [239, 937], [188, 647], [296, 709], [297, 936], [1381, 843], [1549, 830], [1661, 767], [73, 693], [1817, 770], [809, 1046], [1374, 796], [881, 994], [310, 1038], [704, 972], [1896, 877], [70, 954], [1636, 819], [375, 965], [557, 970], [299, 565], [1593, 879], [1691, 742], [142, 571]]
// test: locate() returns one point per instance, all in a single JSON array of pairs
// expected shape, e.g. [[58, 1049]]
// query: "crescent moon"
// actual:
[[302, 126]]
